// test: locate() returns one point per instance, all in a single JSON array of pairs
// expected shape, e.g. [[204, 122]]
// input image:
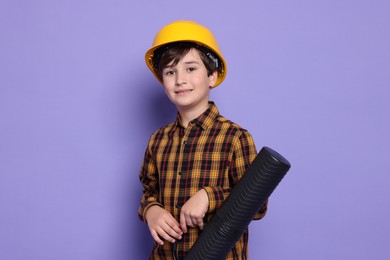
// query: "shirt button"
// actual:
[[185, 142], [179, 173], [177, 206]]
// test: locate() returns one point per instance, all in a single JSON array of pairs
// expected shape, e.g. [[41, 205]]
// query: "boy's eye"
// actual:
[[191, 69], [169, 72]]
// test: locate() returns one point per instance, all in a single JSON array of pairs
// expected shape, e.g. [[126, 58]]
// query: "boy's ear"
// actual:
[[213, 79]]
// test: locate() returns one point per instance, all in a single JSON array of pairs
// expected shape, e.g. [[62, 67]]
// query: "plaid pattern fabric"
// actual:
[[211, 153]]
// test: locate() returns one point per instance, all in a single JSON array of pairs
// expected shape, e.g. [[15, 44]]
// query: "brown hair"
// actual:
[[176, 51]]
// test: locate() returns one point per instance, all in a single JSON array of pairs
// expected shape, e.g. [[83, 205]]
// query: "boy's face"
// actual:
[[187, 84]]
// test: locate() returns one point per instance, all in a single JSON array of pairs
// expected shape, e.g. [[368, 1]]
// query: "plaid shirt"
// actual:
[[212, 153]]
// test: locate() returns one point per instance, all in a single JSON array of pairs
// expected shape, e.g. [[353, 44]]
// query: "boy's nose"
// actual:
[[180, 79]]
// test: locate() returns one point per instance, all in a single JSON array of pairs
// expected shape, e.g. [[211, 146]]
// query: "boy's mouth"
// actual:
[[182, 92]]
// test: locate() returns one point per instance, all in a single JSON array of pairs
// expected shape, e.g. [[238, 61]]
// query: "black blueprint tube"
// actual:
[[245, 200]]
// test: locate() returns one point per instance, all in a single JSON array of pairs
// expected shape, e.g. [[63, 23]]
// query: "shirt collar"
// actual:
[[206, 119]]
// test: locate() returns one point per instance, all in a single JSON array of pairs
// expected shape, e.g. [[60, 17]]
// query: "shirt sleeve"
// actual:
[[244, 152], [149, 180]]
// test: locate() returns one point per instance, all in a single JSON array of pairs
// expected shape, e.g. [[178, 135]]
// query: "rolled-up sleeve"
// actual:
[[149, 180], [243, 153]]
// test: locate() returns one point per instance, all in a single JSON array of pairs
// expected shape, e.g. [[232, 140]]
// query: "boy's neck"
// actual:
[[186, 116]]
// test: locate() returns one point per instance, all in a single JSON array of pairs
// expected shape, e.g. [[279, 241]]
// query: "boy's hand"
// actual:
[[194, 210], [162, 225]]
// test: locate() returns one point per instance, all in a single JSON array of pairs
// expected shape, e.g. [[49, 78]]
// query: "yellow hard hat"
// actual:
[[187, 31]]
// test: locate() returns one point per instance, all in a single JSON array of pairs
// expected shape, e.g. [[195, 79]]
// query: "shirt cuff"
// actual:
[[262, 211], [148, 207], [216, 197]]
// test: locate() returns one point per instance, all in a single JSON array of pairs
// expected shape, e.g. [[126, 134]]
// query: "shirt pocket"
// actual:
[[212, 168]]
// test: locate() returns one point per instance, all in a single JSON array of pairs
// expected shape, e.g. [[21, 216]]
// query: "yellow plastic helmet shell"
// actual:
[[186, 31]]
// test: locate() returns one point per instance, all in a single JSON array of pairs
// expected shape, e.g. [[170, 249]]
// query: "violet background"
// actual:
[[309, 79]]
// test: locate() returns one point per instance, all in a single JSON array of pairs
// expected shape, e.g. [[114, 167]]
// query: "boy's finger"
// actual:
[[175, 225], [200, 223], [163, 234], [174, 232], [191, 222], [194, 222], [178, 231], [183, 223], [157, 238]]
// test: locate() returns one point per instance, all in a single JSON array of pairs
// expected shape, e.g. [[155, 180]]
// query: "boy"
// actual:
[[192, 164]]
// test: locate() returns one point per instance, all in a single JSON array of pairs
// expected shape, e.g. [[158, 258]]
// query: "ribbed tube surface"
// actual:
[[247, 197]]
